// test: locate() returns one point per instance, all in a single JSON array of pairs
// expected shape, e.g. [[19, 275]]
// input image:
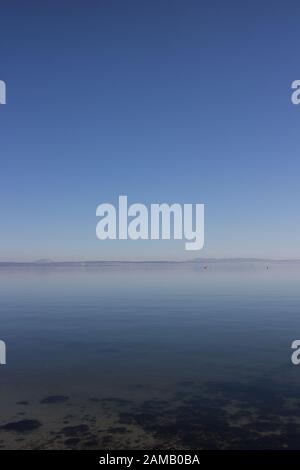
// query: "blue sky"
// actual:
[[182, 101]]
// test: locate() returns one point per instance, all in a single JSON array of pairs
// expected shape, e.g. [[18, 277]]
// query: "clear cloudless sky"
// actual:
[[165, 101]]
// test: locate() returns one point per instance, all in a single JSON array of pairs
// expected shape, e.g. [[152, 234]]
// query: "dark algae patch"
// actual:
[[54, 399], [74, 430], [72, 441], [259, 414], [24, 425]]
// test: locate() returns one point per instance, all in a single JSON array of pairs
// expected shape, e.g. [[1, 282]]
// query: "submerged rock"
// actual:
[[93, 442], [22, 426], [74, 430], [55, 399], [73, 441], [118, 430]]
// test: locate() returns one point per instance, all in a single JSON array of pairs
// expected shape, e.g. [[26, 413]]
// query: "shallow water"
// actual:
[[137, 356]]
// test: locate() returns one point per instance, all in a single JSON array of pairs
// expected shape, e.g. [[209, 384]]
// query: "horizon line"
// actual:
[[49, 262]]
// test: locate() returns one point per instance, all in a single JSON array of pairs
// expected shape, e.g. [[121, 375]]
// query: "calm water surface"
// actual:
[[150, 356]]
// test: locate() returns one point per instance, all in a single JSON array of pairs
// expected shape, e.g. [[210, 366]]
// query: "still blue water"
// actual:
[[170, 340]]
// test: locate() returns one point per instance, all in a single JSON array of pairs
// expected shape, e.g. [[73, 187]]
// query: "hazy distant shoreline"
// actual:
[[45, 263]]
